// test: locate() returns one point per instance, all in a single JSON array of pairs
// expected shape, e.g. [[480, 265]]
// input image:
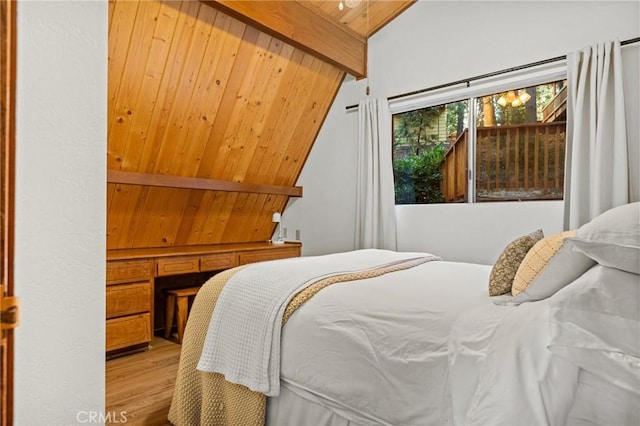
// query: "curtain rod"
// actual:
[[491, 74]]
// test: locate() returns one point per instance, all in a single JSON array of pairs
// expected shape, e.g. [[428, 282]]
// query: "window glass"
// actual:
[[422, 139], [519, 145]]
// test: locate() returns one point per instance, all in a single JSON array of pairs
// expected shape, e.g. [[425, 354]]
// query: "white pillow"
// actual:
[[613, 238], [595, 324]]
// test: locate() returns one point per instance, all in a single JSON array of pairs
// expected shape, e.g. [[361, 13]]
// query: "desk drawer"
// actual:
[[271, 254], [120, 271], [126, 299], [217, 262], [178, 265], [128, 331]]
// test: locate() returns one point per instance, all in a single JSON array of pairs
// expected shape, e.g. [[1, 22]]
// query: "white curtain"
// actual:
[[597, 171], [375, 199]]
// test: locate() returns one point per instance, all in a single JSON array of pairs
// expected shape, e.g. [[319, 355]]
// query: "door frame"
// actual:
[[7, 184]]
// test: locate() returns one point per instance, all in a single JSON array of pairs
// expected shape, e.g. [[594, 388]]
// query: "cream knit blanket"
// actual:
[[243, 340]]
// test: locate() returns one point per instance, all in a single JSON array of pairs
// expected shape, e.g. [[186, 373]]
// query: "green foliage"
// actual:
[[411, 127], [417, 177], [511, 115]]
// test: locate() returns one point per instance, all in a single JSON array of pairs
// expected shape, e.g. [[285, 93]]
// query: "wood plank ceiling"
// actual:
[[196, 93]]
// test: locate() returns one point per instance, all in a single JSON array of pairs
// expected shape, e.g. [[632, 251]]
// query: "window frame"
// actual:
[[508, 81]]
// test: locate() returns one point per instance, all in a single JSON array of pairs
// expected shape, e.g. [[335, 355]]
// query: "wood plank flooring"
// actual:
[[141, 385]]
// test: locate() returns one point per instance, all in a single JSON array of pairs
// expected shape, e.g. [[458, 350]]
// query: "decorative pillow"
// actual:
[[613, 238], [504, 270], [550, 265]]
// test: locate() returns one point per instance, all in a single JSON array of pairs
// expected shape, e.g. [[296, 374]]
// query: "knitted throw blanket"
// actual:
[[243, 342], [207, 398]]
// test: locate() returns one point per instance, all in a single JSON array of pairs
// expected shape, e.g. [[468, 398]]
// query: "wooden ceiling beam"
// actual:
[[304, 28]]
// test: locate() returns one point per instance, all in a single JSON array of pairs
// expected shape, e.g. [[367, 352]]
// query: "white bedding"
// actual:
[[519, 379], [243, 340], [376, 352], [567, 360], [595, 325], [431, 348]]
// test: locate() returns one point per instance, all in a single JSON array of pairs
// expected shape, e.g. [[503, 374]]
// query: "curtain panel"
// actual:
[[375, 196], [597, 162]]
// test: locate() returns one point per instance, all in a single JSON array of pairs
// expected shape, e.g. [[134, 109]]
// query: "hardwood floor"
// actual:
[[141, 385]]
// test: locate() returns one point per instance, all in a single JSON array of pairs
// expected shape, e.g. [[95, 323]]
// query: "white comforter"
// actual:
[[431, 348], [376, 351], [243, 340]]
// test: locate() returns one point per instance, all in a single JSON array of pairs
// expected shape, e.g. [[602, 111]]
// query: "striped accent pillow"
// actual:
[[550, 265]]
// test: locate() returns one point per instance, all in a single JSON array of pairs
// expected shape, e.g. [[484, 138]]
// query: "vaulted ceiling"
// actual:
[[333, 30], [361, 16], [213, 108]]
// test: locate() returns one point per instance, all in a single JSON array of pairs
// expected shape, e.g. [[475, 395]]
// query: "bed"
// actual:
[[386, 338]]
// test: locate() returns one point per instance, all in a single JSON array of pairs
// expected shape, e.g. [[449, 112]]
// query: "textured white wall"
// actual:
[[436, 42], [60, 210]]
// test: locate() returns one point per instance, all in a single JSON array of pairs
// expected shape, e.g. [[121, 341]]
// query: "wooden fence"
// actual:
[[454, 171], [524, 161]]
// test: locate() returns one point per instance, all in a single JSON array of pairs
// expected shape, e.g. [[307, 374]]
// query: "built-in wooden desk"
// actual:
[[131, 274]]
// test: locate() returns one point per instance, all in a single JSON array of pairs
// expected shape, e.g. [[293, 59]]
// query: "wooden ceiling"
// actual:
[[366, 17], [210, 119], [335, 34]]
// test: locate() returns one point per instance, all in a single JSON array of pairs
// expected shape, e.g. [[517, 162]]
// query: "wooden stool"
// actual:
[[178, 298]]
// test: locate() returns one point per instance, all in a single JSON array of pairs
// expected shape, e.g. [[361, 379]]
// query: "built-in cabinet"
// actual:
[[131, 275], [129, 302]]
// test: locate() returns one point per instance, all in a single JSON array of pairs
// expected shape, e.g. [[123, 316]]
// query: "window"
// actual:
[[514, 140]]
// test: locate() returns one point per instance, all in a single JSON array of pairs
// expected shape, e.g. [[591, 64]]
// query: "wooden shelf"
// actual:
[[148, 179], [158, 252]]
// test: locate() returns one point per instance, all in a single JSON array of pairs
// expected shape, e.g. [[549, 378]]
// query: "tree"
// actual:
[[411, 128], [456, 114], [530, 105], [488, 111]]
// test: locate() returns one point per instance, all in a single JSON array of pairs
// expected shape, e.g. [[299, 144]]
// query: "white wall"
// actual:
[[436, 42], [474, 233], [325, 215], [60, 210]]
